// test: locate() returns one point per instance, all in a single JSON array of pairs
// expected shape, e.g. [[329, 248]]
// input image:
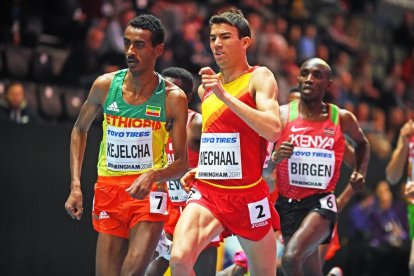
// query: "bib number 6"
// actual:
[[329, 202]]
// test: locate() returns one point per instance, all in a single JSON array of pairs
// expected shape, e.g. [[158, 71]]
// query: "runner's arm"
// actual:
[[396, 165], [194, 133], [176, 109], [265, 119], [78, 139], [350, 126]]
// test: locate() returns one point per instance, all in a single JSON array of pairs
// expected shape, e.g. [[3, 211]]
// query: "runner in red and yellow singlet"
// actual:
[[207, 261], [308, 155], [240, 111]]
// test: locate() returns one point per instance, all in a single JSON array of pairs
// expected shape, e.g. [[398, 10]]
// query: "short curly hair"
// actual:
[[151, 23]]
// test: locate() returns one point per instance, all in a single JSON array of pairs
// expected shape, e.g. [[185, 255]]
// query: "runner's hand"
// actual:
[[407, 130], [357, 181], [141, 186], [210, 81], [73, 204], [409, 191], [285, 151], [187, 179]]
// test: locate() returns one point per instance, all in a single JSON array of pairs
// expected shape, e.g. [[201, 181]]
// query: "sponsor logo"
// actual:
[[329, 131], [260, 224], [309, 141], [113, 107], [103, 215], [295, 129], [120, 121]]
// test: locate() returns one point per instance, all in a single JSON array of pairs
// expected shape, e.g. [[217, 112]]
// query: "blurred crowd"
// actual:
[[51, 52]]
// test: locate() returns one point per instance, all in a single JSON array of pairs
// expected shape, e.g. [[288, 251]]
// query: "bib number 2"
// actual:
[[259, 211]]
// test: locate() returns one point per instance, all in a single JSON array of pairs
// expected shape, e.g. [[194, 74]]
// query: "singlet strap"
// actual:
[[117, 81], [334, 113], [293, 110]]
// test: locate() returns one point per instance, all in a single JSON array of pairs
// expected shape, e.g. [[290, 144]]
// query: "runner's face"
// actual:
[[179, 83], [176, 81], [225, 44], [313, 81], [140, 54]]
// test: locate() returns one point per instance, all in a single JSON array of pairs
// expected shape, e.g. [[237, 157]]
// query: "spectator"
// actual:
[[408, 69], [358, 230], [14, 107], [395, 120], [394, 73], [256, 24], [358, 234], [344, 93], [113, 42], [389, 229], [188, 50], [323, 51], [342, 62], [339, 36], [404, 33], [86, 62], [307, 43], [380, 146]]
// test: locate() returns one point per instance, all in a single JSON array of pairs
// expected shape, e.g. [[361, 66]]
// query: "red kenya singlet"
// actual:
[[317, 156]]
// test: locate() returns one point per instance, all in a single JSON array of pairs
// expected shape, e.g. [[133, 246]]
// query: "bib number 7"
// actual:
[[158, 203]]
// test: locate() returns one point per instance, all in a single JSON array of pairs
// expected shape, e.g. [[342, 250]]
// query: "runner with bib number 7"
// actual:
[[308, 155]]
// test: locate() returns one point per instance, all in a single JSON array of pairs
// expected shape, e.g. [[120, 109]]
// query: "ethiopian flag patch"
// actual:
[[154, 111]]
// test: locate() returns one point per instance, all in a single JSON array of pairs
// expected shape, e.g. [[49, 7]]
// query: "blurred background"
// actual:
[[52, 51]]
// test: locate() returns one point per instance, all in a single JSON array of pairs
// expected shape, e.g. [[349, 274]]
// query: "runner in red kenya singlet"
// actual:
[[308, 156]]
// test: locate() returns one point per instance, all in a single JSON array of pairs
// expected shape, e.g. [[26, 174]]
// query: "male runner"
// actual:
[[207, 261], [240, 112], [130, 204], [309, 154]]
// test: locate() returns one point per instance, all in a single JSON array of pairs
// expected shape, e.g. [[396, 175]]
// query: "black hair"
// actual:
[[180, 73], [234, 18], [151, 23]]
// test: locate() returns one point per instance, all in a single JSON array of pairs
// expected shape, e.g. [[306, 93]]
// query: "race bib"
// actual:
[[194, 194], [129, 149], [329, 202], [259, 212], [158, 203], [311, 167], [220, 156], [176, 191]]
